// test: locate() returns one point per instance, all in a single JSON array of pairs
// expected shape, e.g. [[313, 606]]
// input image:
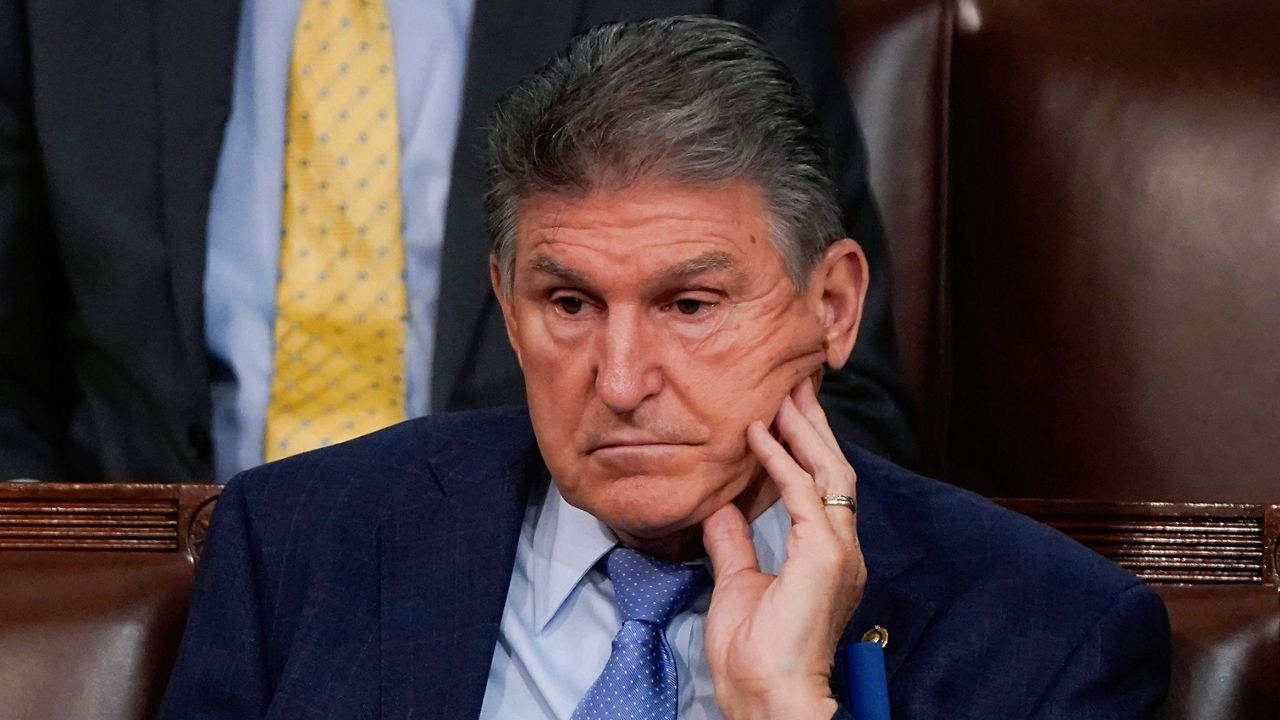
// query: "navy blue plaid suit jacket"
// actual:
[[367, 580]]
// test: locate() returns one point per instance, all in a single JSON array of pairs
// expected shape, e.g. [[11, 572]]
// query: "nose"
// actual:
[[627, 370]]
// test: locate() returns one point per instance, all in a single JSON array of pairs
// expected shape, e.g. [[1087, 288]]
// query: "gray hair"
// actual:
[[694, 100]]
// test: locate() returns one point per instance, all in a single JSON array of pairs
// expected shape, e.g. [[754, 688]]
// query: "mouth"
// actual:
[[633, 444]]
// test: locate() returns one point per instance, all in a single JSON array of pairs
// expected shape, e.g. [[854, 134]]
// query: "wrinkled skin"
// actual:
[[660, 336]]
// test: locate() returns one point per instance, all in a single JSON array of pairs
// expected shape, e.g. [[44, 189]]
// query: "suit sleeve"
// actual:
[[222, 670], [1120, 670], [866, 400], [36, 385]]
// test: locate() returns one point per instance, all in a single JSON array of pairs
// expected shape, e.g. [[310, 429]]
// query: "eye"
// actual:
[[689, 306], [569, 304]]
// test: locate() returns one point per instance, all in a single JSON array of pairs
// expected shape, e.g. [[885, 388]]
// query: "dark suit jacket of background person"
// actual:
[[111, 122], [368, 580]]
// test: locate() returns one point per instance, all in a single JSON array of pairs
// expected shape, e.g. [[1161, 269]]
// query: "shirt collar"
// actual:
[[769, 533], [568, 541]]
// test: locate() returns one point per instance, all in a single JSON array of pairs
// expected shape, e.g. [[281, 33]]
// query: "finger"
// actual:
[[828, 467], [797, 487], [727, 540], [831, 470], [807, 400], [830, 552], [844, 522], [846, 479]]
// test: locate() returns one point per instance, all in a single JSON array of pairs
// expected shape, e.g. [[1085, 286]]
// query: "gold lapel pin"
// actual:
[[876, 634]]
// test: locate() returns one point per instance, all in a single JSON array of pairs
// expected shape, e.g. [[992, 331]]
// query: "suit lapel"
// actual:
[[446, 567], [508, 41], [904, 614], [196, 42]]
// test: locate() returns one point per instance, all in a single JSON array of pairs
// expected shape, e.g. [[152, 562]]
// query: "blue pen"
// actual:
[[864, 677]]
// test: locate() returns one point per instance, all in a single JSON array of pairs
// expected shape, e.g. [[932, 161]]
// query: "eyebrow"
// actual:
[[681, 271], [542, 263], [707, 262]]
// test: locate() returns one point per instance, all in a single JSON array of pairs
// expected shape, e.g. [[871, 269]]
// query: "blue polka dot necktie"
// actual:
[[639, 681]]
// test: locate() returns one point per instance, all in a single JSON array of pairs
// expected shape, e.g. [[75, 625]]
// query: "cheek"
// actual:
[[557, 383], [549, 348], [751, 353], [740, 373]]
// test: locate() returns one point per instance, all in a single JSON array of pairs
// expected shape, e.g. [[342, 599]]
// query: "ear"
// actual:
[[504, 301], [837, 289]]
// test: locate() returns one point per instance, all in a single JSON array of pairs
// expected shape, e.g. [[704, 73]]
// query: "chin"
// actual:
[[643, 506], [653, 507], [650, 493]]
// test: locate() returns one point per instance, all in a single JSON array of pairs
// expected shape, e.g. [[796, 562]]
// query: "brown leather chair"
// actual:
[[94, 581], [1082, 199], [1215, 566]]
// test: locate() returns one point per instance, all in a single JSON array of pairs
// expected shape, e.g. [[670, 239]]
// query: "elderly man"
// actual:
[[673, 276]]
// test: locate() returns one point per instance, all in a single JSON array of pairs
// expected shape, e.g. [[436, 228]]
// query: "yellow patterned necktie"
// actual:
[[338, 368]]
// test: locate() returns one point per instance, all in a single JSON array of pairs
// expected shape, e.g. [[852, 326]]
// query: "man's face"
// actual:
[[654, 324]]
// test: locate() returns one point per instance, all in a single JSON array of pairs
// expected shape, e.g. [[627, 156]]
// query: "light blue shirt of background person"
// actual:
[[430, 39], [560, 617]]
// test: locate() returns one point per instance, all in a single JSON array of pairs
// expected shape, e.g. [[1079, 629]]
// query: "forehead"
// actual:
[[650, 224]]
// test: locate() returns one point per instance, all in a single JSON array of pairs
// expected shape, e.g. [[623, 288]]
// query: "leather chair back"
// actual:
[[1082, 200], [1083, 205], [1215, 566], [898, 65], [95, 584]]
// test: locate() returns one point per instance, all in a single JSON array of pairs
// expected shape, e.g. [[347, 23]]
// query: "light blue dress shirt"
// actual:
[[560, 617], [430, 39]]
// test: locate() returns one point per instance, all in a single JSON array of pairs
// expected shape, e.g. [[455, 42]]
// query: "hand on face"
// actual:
[[771, 639]]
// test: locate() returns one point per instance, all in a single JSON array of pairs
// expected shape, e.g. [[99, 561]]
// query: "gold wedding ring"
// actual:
[[844, 500]]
